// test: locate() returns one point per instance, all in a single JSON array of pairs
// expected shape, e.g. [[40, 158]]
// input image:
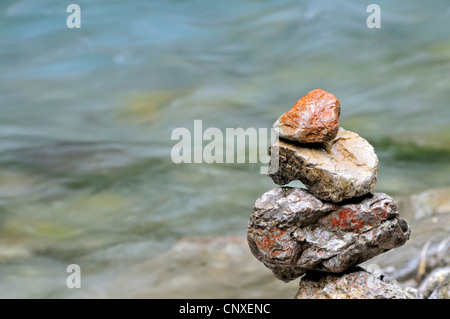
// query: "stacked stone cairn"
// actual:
[[338, 221]]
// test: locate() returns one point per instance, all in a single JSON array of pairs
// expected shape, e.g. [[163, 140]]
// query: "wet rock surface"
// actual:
[[291, 231], [356, 283], [313, 119], [343, 168]]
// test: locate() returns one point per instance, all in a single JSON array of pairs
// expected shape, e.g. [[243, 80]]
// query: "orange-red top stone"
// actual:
[[313, 119]]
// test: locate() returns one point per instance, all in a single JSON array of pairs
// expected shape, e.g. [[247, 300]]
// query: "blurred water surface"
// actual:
[[87, 114]]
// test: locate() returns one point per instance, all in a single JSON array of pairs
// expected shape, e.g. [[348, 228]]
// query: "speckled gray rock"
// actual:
[[290, 231], [434, 281], [443, 290], [354, 284], [345, 167]]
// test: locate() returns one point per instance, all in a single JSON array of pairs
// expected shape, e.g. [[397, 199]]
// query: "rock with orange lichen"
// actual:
[[343, 168], [313, 119], [290, 231], [353, 284]]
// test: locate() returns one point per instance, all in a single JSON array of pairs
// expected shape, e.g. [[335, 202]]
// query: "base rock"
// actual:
[[353, 284]]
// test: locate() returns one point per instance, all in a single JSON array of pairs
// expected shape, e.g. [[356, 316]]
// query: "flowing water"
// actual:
[[86, 175]]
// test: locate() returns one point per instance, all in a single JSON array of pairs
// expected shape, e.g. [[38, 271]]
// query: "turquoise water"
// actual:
[[87, 114]]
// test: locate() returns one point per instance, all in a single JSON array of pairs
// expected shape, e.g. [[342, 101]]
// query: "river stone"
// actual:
[[290, 231], [443, 289], [313, 119], [345, 167], [354, 284], [433, 281]]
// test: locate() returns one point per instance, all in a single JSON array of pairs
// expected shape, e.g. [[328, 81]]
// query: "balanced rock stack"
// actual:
[[336, 223]]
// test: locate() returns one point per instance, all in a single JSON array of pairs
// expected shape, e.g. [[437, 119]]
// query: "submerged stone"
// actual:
[[290, 231], [313, 119], [343, 168]]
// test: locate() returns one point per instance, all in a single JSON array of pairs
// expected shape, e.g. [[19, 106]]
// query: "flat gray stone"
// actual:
[[345, 167]]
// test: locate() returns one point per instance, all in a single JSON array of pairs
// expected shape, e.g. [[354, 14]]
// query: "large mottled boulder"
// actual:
[[313, 119], [290, 231], [343, 168], [354, 284]]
